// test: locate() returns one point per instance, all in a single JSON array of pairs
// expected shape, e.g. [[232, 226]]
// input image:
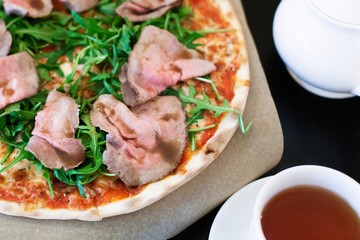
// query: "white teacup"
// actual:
[[324, 177]]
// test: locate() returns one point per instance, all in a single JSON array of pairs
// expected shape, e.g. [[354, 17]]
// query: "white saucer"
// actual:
[[319, 91], [233, 219]]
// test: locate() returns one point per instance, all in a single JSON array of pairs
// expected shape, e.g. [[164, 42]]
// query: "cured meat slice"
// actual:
[[158, 61], [144, 143], [53, 141], [5, 40], [18, 78], [155, 4], [142, 10], [30, 8], [80, 5]]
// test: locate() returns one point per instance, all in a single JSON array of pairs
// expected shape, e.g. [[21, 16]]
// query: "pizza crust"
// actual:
[[15, 209]]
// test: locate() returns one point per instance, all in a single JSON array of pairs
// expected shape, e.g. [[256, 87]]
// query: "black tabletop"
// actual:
[[316, 130]]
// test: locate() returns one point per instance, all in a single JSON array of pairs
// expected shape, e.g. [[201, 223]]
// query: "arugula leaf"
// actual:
[[194, 119], [22, 155], [49, 34], [195, 130], [19, 118], [207, 79], [125, 40], [9, 150], [192, 139], [9, 109], [32, 37], [205, 104], [46, 173], [108, 7], [91, 24], [201, 105], [94, 142]]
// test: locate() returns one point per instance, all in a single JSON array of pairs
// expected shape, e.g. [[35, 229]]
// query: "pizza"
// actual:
[[108, 106]]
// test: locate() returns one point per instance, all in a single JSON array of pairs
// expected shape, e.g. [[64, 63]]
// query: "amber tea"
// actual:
[[309, 213]]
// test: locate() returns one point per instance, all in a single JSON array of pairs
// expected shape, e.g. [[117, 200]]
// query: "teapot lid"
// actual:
[[346, 11]]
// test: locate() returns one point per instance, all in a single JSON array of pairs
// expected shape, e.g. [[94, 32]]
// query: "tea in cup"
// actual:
[[307, 202]]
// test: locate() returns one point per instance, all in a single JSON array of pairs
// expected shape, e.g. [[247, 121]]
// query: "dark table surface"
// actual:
[[316, 130]]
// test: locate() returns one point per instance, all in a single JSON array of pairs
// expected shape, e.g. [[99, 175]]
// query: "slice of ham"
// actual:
[[53, 141], [18, 78], [30, 8], [158, 61], [142, 10], [80, 5], [144, 143], [155, 4], [5, 40]]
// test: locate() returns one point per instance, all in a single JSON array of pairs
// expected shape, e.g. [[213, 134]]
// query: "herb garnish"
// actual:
[[201, 105]]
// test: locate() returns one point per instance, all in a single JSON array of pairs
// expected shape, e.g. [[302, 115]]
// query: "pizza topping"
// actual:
[[199, 104], [142, 10], [80, 5], [53, 141], [18, 78], [5, 40], [30, 8], [158, 61], [144, 143], [155, 4]]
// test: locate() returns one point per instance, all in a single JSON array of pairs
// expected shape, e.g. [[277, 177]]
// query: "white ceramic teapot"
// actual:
[[319, 41]]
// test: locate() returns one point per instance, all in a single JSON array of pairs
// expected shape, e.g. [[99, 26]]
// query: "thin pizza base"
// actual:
[[232, 56]]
